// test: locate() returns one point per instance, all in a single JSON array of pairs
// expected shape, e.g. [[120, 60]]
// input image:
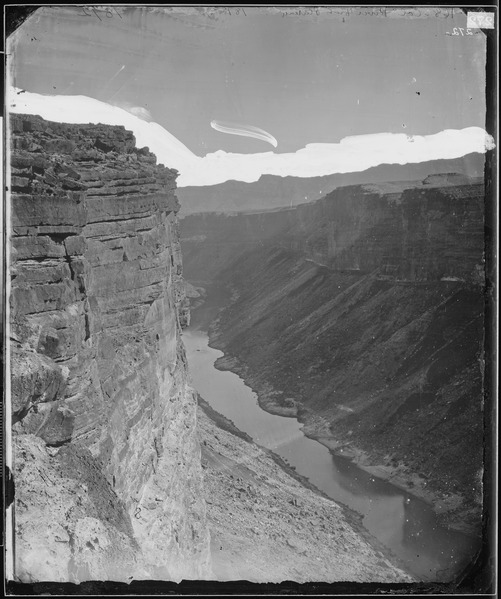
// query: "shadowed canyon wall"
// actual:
[[363, 313], [106, 459]]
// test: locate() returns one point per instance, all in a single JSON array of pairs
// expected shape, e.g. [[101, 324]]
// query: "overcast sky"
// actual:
[[304, 79]]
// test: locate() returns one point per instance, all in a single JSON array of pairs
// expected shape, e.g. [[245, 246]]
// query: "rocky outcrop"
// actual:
[[363, 314], [106, 461]]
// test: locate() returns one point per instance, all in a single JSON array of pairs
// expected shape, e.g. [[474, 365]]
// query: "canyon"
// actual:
[[362, 315], [121, 471]]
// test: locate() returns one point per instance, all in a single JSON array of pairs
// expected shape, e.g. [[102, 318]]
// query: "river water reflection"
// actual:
[[405, 524]]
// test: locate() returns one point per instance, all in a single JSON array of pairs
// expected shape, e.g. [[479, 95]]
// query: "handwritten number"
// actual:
[[238, 10], [109, 14], [461, 30]]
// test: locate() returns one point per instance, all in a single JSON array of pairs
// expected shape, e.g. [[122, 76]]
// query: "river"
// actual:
[[403, 523]]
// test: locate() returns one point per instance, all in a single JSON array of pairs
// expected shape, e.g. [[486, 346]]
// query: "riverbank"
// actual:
[[451, 508], [269, 524]]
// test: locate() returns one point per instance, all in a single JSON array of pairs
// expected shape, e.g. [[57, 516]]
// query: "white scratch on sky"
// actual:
[[244, 131], [119, 71]]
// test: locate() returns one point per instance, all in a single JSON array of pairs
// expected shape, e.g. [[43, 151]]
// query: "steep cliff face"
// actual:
[[363, 314], [106, 462], [428, 232]]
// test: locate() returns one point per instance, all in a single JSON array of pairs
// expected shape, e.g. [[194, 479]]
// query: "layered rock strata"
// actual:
[[409, 231], [106, 458]]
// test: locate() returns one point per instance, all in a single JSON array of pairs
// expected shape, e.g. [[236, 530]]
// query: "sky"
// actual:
[[304, 79]]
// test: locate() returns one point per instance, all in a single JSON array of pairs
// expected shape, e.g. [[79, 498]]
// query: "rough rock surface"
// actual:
[[363, 314], [268, 527], [107, 461]]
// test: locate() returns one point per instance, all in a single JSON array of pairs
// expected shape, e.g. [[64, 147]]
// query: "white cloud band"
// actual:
[[351, 154]]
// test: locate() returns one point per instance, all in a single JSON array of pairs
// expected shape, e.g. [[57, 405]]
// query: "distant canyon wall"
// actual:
[[426, 233], [106, 458], [271, 191], [431, 231]]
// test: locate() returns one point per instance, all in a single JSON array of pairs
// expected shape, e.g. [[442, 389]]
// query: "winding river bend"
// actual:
[[403, 523]]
